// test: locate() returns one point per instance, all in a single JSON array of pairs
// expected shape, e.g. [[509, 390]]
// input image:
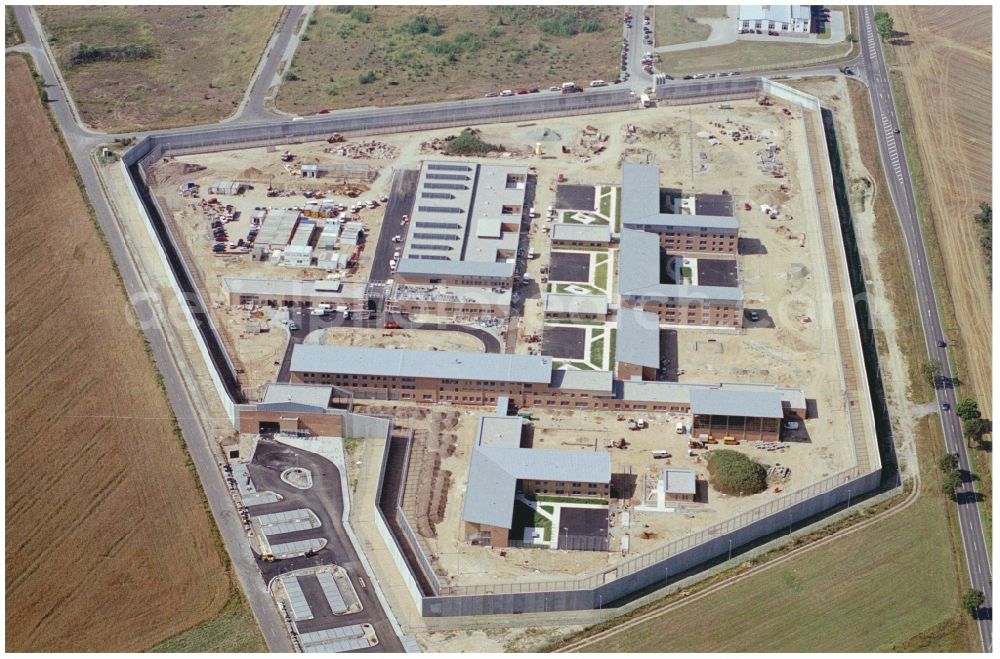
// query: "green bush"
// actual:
[[85, 53], [366, 78], [469, 143], [360, 15], [732, 472], [422, 24]]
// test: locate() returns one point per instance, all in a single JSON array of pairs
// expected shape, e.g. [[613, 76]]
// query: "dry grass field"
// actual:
[[748, 56], [892, 586], [946, 76], [671, 24], [109, 547], [201, 61], [456, 52]]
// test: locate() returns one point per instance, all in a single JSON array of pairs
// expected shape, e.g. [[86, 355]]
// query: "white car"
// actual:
[[507, 92], [791, 425]]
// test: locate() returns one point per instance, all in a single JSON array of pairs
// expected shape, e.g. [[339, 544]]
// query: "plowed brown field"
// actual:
[[108, 545], [947, 70]]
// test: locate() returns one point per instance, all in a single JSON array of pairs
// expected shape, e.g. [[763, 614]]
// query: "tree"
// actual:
[[972, 600], [951, 482], [974, 429], [732, 472], [884, 24], [931, 370], [967, 409], [948, 463]]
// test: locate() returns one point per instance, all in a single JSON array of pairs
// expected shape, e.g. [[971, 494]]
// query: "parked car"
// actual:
[[491, 94], [390, 325]]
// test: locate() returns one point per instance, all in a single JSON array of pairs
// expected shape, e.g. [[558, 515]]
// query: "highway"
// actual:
[[872, 63]]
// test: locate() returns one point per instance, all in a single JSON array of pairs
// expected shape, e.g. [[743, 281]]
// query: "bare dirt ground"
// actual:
[[109, 546], [202, 59], [410, 339], [379, 56], [873, 219], [945, 63]]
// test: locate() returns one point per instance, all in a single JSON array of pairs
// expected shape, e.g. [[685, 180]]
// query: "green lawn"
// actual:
[[893, 585], [618, 212], [525, 517], [601, 275], [581, 500], [597, 352], [564, 288], [671, 24], [233, 630], [595, 220], [613, 337], [605, 202]]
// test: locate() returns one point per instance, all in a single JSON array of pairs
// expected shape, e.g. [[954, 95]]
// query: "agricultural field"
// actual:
[[943, 91], [672, 24], [143, 67], [393, 55], [894, 585], [109, 544]]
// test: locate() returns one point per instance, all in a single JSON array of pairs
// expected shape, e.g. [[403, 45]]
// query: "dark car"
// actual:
[[942, 344], [945, 406], [219, 247]]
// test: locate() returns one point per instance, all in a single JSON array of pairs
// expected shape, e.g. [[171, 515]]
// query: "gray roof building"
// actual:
[[596, 233], [638, 338], [729, 402], [316, 289], [497, 464], [596, 381], [462, 219], [679, 481], [302, 394], [421, 363], [576, 304], [641, 204], [639, 270]]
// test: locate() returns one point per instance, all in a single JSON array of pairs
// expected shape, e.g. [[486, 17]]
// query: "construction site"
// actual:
[[741, 159]]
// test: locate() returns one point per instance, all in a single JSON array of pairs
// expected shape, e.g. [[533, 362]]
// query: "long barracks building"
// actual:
[[746, 412]]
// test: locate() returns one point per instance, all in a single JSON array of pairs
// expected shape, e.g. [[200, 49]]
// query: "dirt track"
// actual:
[[109, 547]]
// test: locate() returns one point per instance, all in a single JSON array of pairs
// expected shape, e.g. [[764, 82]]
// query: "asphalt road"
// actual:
[[401, 198], [325, 500], [253, 107], [897, 173]]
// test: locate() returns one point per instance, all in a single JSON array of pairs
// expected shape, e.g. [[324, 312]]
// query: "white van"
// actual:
[[598, 83]]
